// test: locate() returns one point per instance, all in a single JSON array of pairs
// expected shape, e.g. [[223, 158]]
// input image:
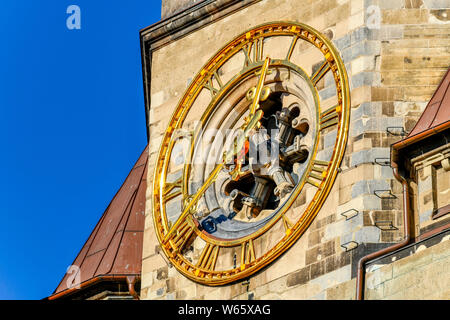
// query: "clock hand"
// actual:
[[259, 87], [254, 117], [212, 177], [240, 141], [228, 156], [252, 121]]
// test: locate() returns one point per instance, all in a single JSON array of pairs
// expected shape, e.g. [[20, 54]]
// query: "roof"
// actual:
[[114, 247], [434, 119]]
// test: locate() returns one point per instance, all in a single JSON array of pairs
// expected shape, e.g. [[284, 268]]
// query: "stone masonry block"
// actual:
[[351, 176], [356, 20], [342, 43], [363, 33], [299, 277], [404, 16], [369, 186], [363, 63], [383, 172], [362, 203], [360, 95], [436, 4], [374, 125], [366, 78], [389, 32], [342, 227], [391, 4], [327, 92], [343, 291], [368, 234], [368, 156], [334, 278], [387, 93], [356, 6], [361, 48], [329, 139]]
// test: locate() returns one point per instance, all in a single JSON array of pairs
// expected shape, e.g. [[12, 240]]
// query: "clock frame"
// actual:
[[319, 174]]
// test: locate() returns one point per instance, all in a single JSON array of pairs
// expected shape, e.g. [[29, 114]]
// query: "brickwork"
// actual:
[[393, 72]]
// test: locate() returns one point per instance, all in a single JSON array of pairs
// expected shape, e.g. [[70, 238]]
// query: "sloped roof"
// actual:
[[114, 247], [435, 118]]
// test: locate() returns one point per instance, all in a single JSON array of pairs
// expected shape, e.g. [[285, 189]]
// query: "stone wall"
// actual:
[[421, 275], [393, 71]]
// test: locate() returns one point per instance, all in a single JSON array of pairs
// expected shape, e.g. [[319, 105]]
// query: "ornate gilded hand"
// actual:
[[259, 88], [240, 144], [252, 121]]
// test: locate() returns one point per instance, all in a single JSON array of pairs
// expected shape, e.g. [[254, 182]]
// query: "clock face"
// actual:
[[251, 152]]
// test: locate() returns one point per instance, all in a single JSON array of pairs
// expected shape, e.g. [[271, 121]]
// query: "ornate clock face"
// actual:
[[243, 167]]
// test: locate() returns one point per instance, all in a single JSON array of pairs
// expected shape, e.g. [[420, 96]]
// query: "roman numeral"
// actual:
[[320, 166], [168, 191], [330, 117], [253, 52], [291, 48], [208, 258], [318, 173], [247, 254], [287, 224], [210, 85], [183, 234], [320, 73]]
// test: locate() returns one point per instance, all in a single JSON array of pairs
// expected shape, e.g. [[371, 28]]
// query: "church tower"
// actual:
[[297, 149], [341, 81]]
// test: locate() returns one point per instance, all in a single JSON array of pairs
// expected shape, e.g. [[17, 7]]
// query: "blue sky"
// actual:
[[72, 124]]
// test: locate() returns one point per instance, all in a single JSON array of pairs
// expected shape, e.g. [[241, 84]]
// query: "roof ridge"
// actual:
[[443, 96], [85, 249]]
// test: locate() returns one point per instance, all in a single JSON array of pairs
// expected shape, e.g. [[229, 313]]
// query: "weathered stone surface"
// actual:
[[343, 291], [299, 277], [417, 276], [368, 156]]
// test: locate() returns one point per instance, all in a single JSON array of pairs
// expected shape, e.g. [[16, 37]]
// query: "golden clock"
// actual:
[[251, 152]]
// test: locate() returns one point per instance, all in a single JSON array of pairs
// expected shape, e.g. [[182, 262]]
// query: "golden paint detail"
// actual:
[[320, 174]]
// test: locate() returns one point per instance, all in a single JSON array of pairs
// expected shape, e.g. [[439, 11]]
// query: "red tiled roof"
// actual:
[[115, 246], [435, 117]]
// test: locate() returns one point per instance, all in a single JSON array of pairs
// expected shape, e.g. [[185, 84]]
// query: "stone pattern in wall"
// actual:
[[384, 94], [423, 275]]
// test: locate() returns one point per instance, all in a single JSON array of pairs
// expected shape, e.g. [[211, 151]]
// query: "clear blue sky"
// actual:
[[72, 124]]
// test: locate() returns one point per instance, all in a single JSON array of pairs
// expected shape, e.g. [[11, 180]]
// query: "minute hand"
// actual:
[[259, 87]]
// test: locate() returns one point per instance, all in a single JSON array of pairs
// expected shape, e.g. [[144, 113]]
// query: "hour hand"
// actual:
[[194, 198]]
